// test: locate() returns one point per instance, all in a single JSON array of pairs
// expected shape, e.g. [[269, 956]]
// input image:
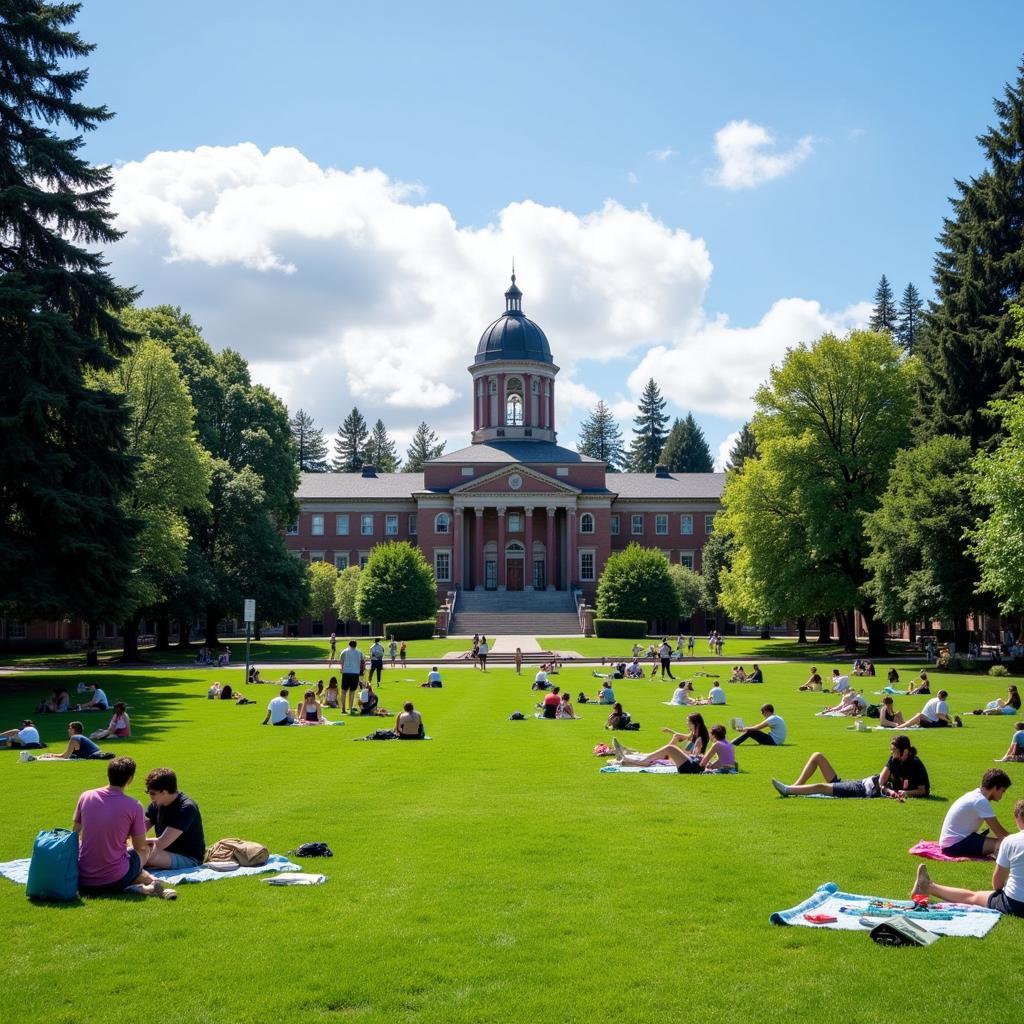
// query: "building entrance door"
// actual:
[[538, 574], [514, 574], [491, 574]]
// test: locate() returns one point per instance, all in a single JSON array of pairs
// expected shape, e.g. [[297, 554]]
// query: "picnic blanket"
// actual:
[[848, 909], [655, 769], [544, 718], [890, 692], [929, 849], [17, 871], [832, 714]]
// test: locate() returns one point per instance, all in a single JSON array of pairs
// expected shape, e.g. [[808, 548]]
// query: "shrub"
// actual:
[[636, 584], [396, 583], [999, 670], [620, 628], [421, 629]]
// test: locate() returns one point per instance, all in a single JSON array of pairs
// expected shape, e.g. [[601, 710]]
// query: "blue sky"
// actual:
[[870, 111]]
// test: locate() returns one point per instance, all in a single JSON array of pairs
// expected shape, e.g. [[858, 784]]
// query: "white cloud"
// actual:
[[633, 178], [717, 367], [723, 450], [661, 155], [747, 158]]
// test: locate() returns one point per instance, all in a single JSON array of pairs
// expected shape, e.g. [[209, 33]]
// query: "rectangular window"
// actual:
[[636, 524], [412, 525], [467, 470], [615, 526], [366, 525], [293, 529], [562, 471], [515, 523], [686, 558], [391, 525], [661, 525], [15, 630], [341, 560], [364, 557], [709, 523], [586, 566], [318, 525], [341, 525], [442, 566], [686, 524], [316, 556]]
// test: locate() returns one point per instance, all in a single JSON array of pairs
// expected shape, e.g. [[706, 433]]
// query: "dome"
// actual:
[[513, 336]]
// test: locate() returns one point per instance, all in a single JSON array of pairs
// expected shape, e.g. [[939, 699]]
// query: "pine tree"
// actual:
[[979, 271], [310, 446], [744, 448], [908, 324], [883, 316], [687, 450], [350, 444], [424, 447], [649, 431], [601, 438], [66, 540], [381, 452]]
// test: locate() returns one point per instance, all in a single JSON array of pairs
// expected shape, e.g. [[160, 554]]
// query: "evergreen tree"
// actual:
[[601, 438], [310, 446], [350, 444], [424, 447], [66, 538], [979, 271], [908, 324], [687, 450], [381, 452], [649, 431], [744, 448], [883, 316]]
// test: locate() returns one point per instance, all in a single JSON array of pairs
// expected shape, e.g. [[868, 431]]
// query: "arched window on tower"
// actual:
[[514, 402]]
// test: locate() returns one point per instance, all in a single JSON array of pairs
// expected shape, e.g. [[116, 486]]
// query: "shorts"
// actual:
[[349, 681], [940, 723], [284, 721], [406, 736], [134, 867], [1001, 902], [853, 789], [969, 846], [179, 862]]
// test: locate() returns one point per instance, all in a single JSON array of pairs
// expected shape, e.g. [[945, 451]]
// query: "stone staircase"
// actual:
[[522, 612]]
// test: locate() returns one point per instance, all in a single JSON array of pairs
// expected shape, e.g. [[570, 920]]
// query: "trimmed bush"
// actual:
[[620, 628], [420, 629], [396, 583], [636, 584], [999, 670]]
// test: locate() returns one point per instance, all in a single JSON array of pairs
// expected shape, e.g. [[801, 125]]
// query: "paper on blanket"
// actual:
[[832, 714], [930, 850], [970, 921], [890, 692], [296, 878]]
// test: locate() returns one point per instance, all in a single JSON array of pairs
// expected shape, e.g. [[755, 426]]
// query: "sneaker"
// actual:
[[958, 721], [160, 890], [732, 725], [782, 789], [26, 756]]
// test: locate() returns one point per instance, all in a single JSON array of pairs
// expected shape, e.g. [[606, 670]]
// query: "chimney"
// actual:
[[661, 470], [369, 471]]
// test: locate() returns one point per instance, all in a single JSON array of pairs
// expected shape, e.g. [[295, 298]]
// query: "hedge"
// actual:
[[419, 629], [627, 628]]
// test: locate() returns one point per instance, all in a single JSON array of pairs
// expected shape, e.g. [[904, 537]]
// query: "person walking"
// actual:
[[519, 661], [482, 654], [665, 657], [376, 659], [334, 648]]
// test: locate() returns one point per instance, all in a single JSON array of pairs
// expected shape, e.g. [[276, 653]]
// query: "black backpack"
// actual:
[[517, 716], [312, 850]]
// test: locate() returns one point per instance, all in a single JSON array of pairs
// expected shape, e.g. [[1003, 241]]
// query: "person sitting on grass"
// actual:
[[224, 659], [119, 727], [540, 680], [738, 675], [839, 682], [617, 719], [922, 685], [1009, 705], [409, 723], [368, 699], [756, 675], [720, 757], [434, 681], [960, 836], [935, 714], [79, 748], [332, 696], [25, 738], [813, 682], [682, 695], [549, 705], [279, 711], [716, 695], [770, 732], [565, 708], [97, 700], [888, 716], [254, 675], [902, 776], [56, 704], [852, 703], [1007, 892], [106, 821], [308, 710], [634, 670], [175, 819], [1015, 751], [892, 678]]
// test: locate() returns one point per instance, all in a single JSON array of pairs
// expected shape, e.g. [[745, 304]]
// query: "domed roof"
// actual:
[[513, 336]]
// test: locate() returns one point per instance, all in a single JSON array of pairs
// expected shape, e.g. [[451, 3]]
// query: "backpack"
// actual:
[[53, 871], [900, 930], [632, 726], [517, 716], [872, 711], [382, 734], [313, 850], [244, 853]]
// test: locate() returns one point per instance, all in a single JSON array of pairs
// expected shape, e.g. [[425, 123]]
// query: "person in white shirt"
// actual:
[[771, 732], [433, 679], [960, 836], [279, 711], [376, 660], [540, 680], [935, 714], [26, 736], [680, 695], [97, 701], [839, 683], [716, 695], [352, 665], [1007, 892], [634, 670]]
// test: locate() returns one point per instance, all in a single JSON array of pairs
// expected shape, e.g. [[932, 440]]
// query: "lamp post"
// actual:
[[250, 618]]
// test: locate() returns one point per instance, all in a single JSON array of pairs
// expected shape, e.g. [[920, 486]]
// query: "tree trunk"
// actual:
[[961, 637], [849, 630], [876, 633], [163, 633], [912, 631], [824, 629], [766, 632], [801, 628], [130, 651], [256, 634], [840, 620], [212, 618], [92, 656], [183, 631]]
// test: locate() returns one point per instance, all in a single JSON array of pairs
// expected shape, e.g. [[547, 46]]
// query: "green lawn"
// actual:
[[494, 874]]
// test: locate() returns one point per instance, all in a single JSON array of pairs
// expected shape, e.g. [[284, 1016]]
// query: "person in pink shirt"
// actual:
[[106, 820]]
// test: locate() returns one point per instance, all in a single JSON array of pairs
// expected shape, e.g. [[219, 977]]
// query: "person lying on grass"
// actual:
[[720, 757], [227, 693], [25, 738], [1007, 892], [119, 727], [888, 716], [175, 819], [1002, 706], [308, 711], [79, 746], [852, 703], [935, 714], [618, 672], [960, 836], [409, 723], [769, 732], [813, 681], [1015, 751], [902, 776]]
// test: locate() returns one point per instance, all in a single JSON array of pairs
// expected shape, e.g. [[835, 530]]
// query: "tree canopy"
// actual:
[[636, 584], [601, 438], [649, 430], [381, 452], [310, 446], [350, 444], [686, 449], [323, 578], [424, 447], [396, 585]]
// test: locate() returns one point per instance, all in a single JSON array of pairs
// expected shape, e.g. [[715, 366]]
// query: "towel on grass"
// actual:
[[832, 714], [17, 871], [543, 717], [847, 908], [890, 692], [930, 850], [296, 878], [654, 769]]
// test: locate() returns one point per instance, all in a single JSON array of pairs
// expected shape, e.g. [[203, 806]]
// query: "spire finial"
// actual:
[[513, 270]]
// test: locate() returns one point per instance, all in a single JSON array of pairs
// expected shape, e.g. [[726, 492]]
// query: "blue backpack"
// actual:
[[53, 872]]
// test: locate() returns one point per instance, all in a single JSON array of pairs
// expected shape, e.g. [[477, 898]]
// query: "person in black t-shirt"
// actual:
[[175, 818]]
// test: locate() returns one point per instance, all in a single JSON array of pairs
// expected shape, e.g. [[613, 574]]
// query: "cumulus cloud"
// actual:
[[747, 156], [722, 458], [345, 286]]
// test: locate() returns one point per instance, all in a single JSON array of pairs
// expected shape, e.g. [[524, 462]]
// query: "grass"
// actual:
[[494, 874]]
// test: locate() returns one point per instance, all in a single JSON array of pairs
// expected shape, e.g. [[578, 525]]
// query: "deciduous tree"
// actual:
[[636, 584], [396, 585]]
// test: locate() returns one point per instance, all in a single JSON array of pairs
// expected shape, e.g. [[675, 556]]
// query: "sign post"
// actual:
[[250, 618]]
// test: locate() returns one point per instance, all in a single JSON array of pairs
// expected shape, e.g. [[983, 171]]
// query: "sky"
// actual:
[[337, 190]]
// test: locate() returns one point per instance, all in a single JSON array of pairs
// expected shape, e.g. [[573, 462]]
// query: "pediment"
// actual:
[[502, 481]]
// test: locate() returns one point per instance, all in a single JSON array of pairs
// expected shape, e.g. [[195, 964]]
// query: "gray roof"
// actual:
[[354, 485], [538, 452], [674, 486]]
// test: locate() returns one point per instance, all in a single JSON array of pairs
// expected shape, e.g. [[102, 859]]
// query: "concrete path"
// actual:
[[508, 645]]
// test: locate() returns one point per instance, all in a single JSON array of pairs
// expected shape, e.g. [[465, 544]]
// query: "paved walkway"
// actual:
[[508, 644]]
